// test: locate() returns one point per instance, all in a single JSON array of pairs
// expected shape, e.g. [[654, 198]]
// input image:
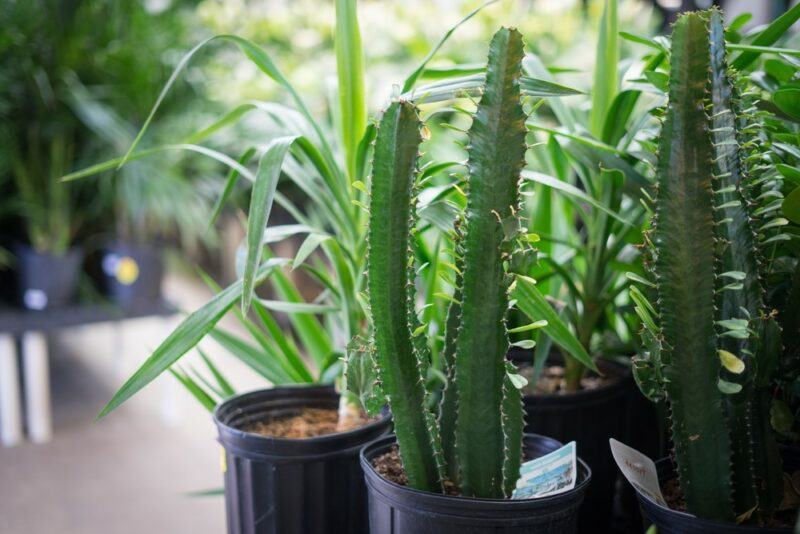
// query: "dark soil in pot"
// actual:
[[131, 274], [45, 280], [293, 485], [589, 417], [398, 509], [675, 520]]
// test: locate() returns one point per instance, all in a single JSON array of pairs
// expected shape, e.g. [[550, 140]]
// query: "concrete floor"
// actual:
[[133, 471]]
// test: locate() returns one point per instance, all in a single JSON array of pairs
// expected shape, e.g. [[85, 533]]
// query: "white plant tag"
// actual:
[[638, 469], [550, 474]]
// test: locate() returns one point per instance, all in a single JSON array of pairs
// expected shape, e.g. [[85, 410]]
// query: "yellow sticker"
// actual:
[[127, 270], [223, 461]]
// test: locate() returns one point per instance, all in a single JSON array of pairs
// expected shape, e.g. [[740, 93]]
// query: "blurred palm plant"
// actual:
[[56, 109]]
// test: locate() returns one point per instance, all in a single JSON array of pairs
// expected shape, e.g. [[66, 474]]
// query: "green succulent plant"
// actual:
[[473, 438], [712, 340]]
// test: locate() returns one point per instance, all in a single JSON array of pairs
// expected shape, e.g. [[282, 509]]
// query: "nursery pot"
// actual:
[[669, 521], [396, 509], [46, 280], [132, 274], [589, 418], [292, 486]]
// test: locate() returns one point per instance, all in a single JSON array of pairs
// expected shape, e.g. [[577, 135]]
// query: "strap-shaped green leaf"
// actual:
[[533, 304], [185, 337], [264, 187]]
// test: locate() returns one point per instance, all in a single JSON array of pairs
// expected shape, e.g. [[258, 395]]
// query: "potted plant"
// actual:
[[587, 178], [472, 443], [332, 254], [139, 216], [38, 140], [711, 341]]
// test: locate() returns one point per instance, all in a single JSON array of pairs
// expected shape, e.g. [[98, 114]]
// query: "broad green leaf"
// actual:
[[788, 100], [571, 190], [605, 84], [185, 337], [728, 388], [261, 198], [731, 362], [531, 302], [768, 36], [791, 206]]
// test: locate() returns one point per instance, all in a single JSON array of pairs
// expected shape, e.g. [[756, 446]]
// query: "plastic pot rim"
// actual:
[[370, 450], [257, 439]]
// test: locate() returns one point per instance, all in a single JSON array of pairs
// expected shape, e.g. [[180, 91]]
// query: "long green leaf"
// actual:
[[269, 171], [605, 84], [185, 337], [768, 36], [412, 79], [350, 69], [533, 304]]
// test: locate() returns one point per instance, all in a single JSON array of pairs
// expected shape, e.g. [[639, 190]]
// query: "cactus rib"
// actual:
[[686, 278], [391, 289], [496, 157]]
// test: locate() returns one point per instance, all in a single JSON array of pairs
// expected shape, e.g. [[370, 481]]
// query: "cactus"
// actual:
[[712, 348], [478, 439]]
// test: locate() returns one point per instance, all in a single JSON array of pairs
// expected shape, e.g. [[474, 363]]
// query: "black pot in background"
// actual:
[[45, 280], [589, 418], [131, 274], [396, 509], [673, 522], [292, 486]]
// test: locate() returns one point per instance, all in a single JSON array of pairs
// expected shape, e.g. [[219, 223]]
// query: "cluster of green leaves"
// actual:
[[330, 170], [710, 330], [61, 106], [590, 169]]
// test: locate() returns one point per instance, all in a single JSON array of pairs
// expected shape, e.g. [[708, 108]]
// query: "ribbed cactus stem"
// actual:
[[496, 156], [390, 273], [684, 238]]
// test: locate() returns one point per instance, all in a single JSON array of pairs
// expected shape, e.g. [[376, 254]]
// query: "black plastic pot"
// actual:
[[396, 509], [674, 522], [132, 274], [589, 418], [46, 280], [292, 486]]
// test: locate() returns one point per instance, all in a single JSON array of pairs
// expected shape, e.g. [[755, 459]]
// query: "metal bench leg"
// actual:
[[36, 369], [10, 404]]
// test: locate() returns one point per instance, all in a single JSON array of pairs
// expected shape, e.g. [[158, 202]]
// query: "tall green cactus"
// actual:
[[496, 157], [480, 417], [714, 330], [391, 278]]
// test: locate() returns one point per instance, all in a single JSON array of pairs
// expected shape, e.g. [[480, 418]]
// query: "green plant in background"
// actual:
[[332, 218], [711, 337], [57, 107], [475, 442], [585, 206]]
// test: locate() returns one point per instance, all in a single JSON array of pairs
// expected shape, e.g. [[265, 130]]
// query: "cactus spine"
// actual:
[[713, 338], [479, 435]]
